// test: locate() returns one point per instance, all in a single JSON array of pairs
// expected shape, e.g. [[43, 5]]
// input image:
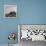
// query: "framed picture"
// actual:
[[32, 32], [10, 11]]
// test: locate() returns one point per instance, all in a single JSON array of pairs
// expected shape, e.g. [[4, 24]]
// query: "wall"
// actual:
[[7, 25], [33, 12], [29, 12]]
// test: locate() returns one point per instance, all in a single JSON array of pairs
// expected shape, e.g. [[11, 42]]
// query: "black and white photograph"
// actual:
[[31, 35], [10, 10]]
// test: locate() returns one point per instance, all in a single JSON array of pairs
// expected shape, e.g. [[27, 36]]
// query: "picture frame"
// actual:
[[10, 11]]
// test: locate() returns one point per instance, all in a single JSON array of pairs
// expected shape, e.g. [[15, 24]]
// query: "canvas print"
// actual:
[[30, 35], [12, 38], [33, 32], [10, 10]]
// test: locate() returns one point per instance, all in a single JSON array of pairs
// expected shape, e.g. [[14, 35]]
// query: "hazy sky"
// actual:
[[9, 8]]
